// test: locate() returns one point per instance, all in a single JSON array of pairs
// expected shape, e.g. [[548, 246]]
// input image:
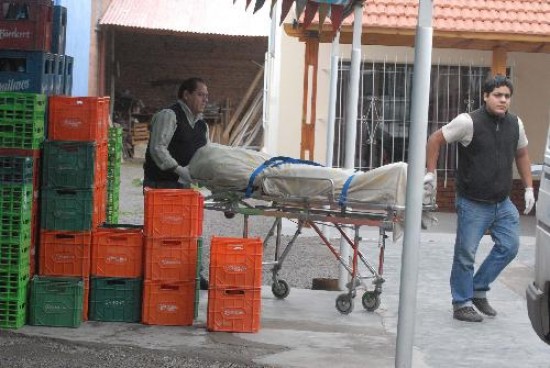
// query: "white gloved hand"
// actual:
[[184, 175], [529, 200], [430, 188]]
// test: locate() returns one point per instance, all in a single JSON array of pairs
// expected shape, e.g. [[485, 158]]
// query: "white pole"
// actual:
[[334, 59], [351, 119], [415, 174]]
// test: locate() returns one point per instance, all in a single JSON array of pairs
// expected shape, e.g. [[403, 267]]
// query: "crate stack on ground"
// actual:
[[116, 273], [32, 48], [234, 295], [73, 193], [172, 229], [113, 174], [22, 119]]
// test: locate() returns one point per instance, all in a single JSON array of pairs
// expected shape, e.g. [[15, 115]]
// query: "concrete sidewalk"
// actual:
[[306, 330]]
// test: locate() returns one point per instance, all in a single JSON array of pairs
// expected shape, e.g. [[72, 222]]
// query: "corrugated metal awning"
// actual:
[[220, 17]]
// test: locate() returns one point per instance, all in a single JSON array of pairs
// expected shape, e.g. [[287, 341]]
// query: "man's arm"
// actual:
[[163, 127], [435, 141], [523, 164]]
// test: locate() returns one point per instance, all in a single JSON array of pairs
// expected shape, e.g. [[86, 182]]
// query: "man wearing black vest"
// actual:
[[489, 140], [177, 132]]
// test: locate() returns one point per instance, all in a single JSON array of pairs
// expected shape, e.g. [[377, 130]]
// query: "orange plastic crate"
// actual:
[[168, 303], [117, 252], [236, 262], [172, 213], [171, 259], [65, 253], [234, 310], [100, 205], [78, 118]]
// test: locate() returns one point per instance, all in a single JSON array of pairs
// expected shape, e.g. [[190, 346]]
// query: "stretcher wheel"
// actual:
[[344, 303], [280, 289], [371, 300], [229, 214]]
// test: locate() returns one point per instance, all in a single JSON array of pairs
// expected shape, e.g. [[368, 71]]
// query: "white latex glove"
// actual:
[[529, 200], [184, 176], [430, 188]]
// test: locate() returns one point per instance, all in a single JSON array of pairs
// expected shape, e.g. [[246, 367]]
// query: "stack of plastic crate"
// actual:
[[113, 174], [73, 194], [234, 295], [32, 48], [116, 273], [22, 118], [172, 227]]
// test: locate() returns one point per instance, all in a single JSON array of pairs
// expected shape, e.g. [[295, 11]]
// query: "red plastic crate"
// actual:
[[100, 205], [117, 252], [172, 213], [168, 303], [26, 25], [171, 259], [85, 298], [236, 262], [65, 253], [234, 310], [78, 118]]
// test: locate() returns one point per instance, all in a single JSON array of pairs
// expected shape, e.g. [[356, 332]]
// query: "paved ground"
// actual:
[[305, 329]]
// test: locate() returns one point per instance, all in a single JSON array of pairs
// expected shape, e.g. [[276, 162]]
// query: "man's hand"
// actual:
[[183, 173], [430, 188], [529, 200]]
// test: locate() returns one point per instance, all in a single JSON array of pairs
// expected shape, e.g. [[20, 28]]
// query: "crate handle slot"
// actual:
[[65, 236], [116, 282], [234, 292], [65, 191], [172, 243], [169, 287]]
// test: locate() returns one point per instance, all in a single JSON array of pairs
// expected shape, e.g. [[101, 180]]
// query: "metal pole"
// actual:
[[351, 116], [415, 174], [334, 58]]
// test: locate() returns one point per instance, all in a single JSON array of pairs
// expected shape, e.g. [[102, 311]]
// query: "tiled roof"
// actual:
[[527, 17], [220, 17]]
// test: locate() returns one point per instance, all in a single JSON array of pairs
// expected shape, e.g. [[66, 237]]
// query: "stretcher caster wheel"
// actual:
[[229, 215], [344, 303], [280, 289], [371, 300]]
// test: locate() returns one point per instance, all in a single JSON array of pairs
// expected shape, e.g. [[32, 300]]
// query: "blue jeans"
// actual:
[[474, 219]]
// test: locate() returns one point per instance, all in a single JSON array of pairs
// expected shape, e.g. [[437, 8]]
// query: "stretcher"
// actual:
[[251, 183], [312, 212]]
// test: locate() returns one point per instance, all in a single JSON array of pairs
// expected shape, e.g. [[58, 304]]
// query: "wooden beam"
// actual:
[[499, 61], [309, 100]]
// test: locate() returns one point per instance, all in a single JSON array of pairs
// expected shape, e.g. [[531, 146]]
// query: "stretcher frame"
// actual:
[[309, 212]]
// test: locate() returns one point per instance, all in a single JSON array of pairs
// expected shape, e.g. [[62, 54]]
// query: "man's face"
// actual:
[[498, 101], [197, 100]]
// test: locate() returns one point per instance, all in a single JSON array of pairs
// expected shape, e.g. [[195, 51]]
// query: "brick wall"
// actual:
[[446, 195], [151, 66]]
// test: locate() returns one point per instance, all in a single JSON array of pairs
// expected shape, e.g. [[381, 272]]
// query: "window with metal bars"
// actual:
[[383, 115]]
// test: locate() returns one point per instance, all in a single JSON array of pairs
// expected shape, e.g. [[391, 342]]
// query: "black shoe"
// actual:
[[484, 307], [203, 283], [467, 314]]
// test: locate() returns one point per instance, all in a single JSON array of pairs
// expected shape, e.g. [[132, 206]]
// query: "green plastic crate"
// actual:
[[68, 164], [15, 169], [15, 199], [13, 314], [115, 299], [66, 209], [14, 285], [18, 105], [15, 258], [56, 301], [23, 134]]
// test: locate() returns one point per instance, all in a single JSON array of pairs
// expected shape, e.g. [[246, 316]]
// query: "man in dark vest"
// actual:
[[177, 132], [489, 140]]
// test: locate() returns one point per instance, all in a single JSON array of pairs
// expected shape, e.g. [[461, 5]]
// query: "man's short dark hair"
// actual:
[[190, 85], [497, 81]]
